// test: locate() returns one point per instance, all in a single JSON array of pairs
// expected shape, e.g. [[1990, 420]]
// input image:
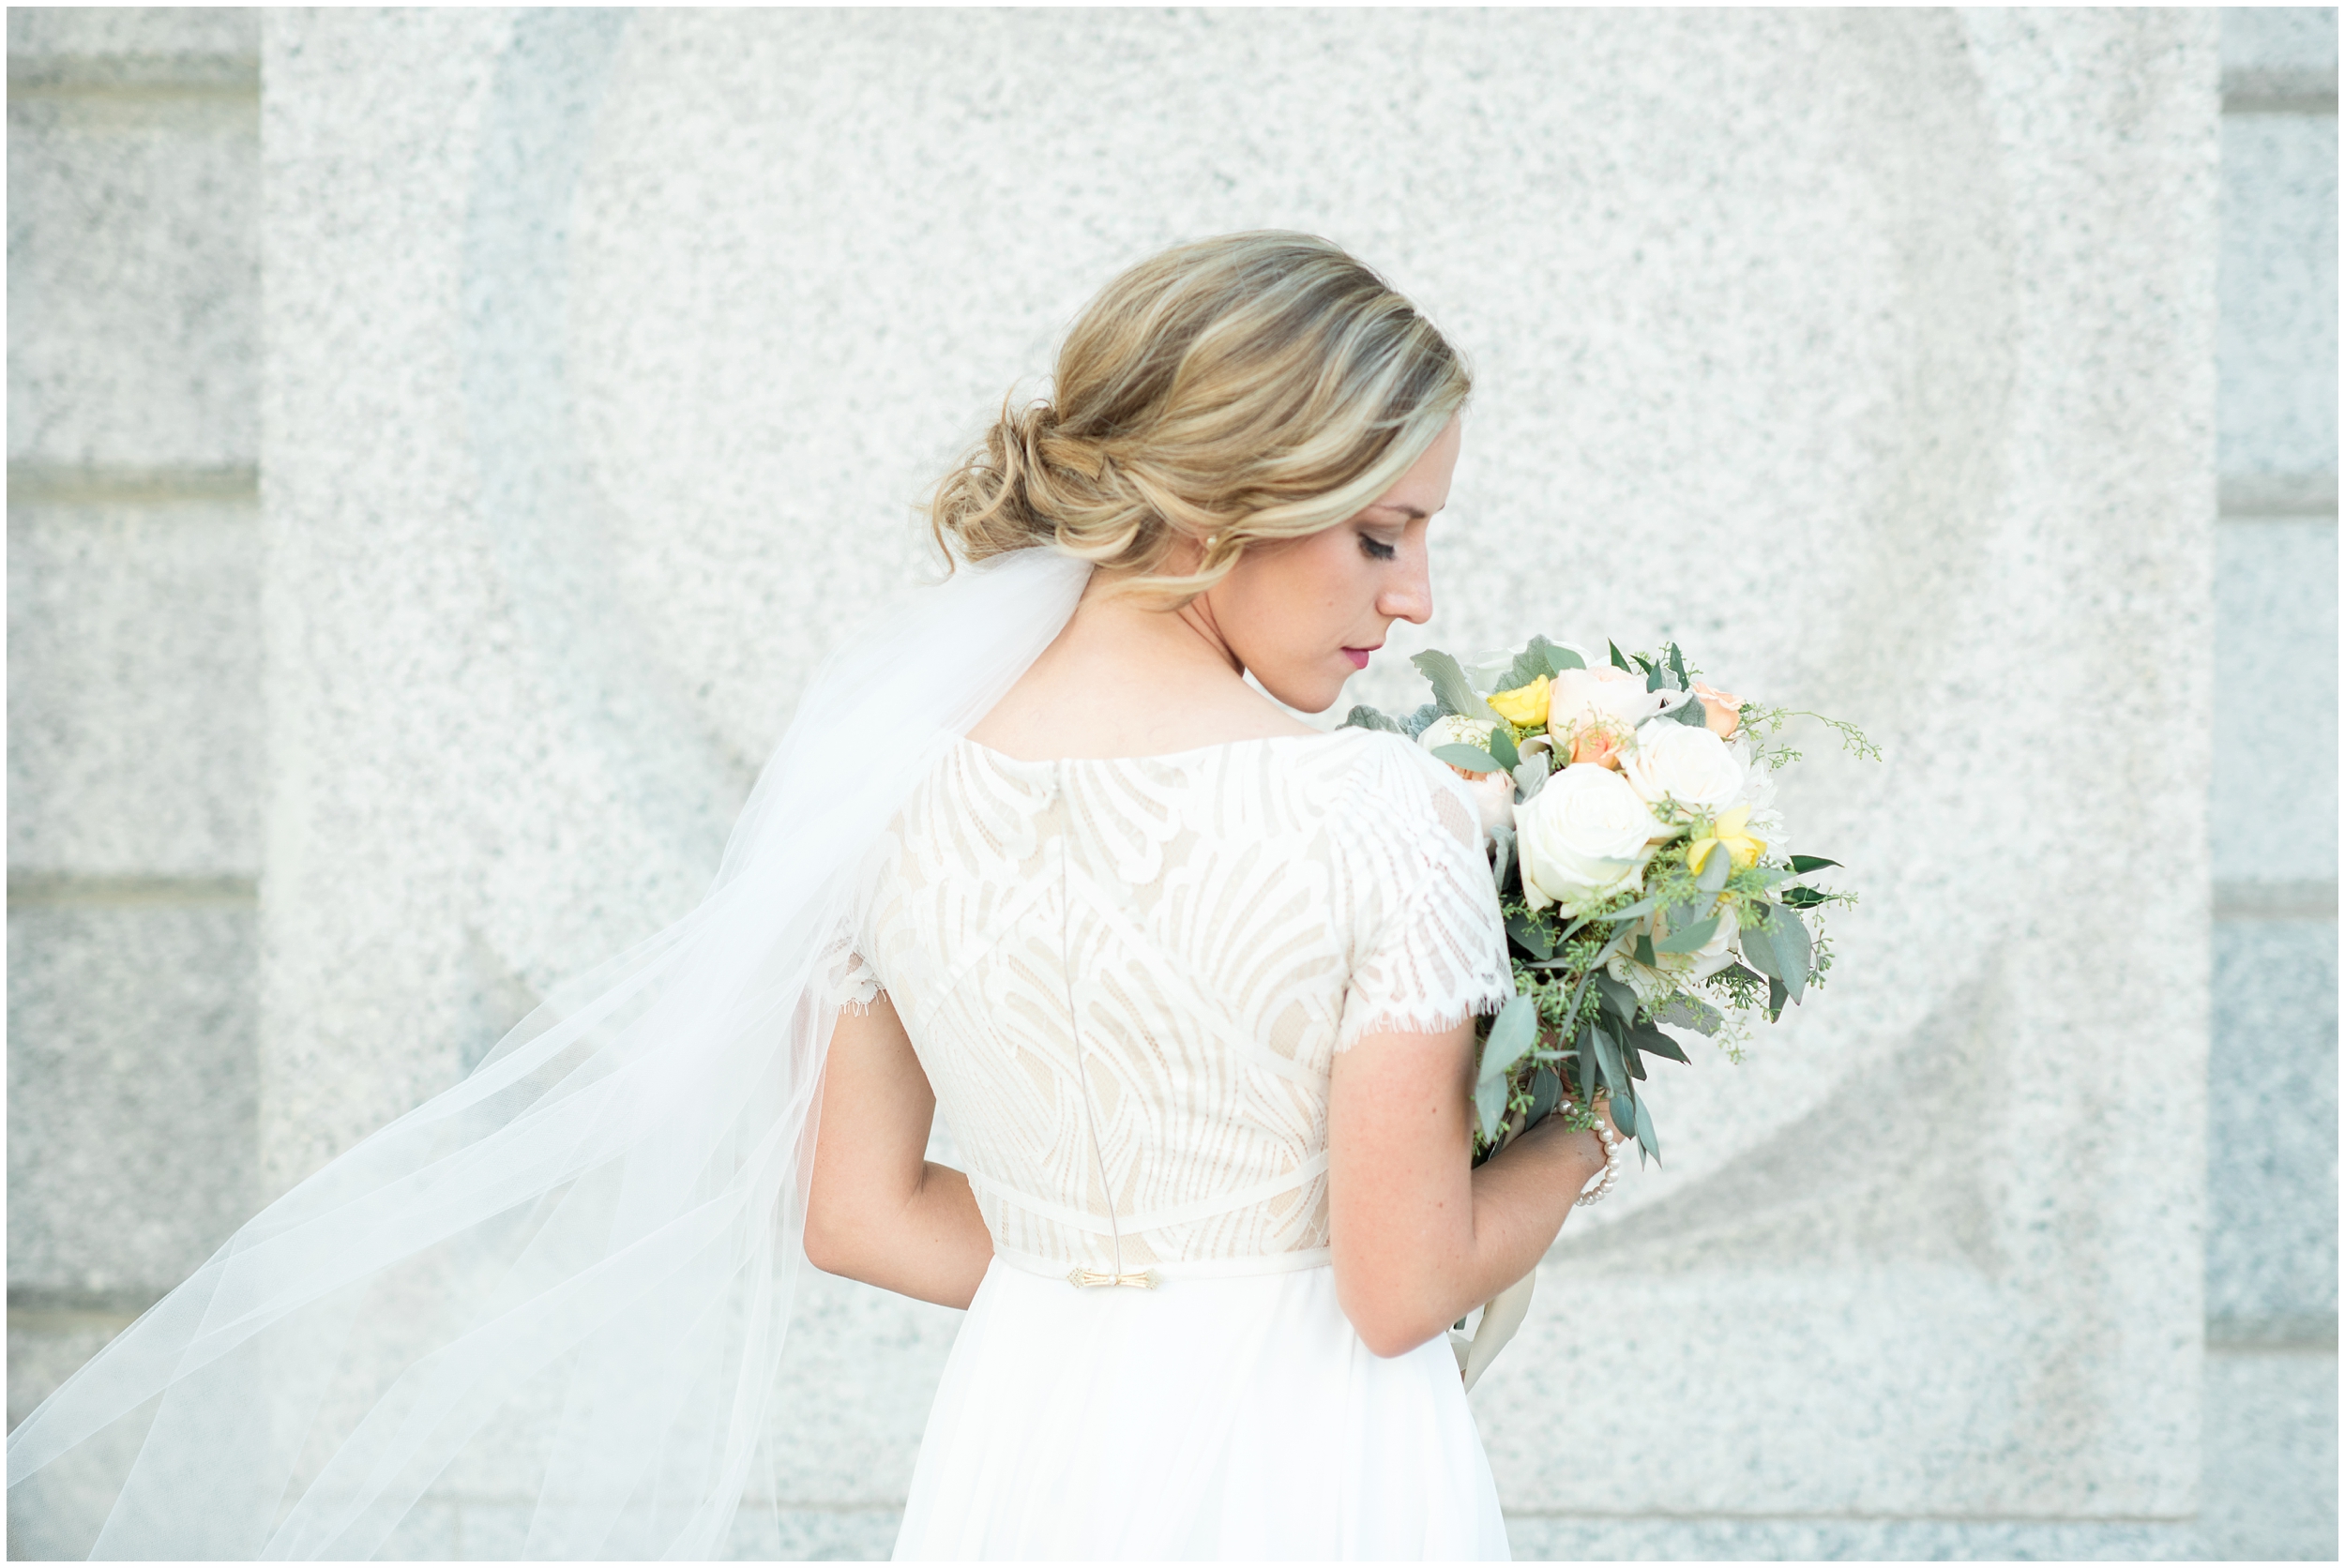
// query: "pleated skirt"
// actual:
[[1209, 1418]]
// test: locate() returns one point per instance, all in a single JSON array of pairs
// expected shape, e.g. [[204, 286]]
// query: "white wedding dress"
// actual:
[[1127, 979]]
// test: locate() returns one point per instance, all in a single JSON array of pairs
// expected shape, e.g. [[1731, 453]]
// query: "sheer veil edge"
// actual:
[[561, 1286]]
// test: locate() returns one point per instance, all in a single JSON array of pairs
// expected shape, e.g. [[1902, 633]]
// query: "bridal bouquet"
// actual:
[[1629, 812]]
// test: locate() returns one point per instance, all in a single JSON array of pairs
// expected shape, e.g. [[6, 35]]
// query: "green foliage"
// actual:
[[1471, 758], [1451, 689], [1765, 728]]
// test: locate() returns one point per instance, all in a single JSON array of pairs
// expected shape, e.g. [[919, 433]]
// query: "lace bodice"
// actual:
[[1128, 978]]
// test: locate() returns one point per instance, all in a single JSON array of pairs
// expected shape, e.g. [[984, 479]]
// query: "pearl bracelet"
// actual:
[[1611, 1141]]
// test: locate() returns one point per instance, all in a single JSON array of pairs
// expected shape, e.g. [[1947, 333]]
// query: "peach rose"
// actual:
[[1722, 711], [1581, 698], [1597, 743]]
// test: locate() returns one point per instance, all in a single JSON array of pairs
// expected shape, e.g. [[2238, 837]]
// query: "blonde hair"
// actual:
[[1247, 387]]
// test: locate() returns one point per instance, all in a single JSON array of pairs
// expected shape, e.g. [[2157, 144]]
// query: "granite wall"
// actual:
[[603, 354], [135, 762]]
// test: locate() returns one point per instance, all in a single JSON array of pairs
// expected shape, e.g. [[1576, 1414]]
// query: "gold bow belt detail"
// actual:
[[1084, 1279]]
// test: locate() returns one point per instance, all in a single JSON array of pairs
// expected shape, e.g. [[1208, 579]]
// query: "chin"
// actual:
[[1315, 696]]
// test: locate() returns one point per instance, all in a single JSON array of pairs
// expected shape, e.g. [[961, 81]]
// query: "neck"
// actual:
[[1189, 637]]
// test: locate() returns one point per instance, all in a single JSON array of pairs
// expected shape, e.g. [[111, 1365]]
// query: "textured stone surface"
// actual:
[[2278, 52], [49, 41], [2271, 1245], [47, 1345], [607, 352], [2271, 809], [134, 690], [133, 279], [2270, 1488], [130, 1091], [2268, 1492], [862, 1365], [2278, 353]]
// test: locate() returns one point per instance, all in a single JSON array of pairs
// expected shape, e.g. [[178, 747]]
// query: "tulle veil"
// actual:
[[569, 1277]]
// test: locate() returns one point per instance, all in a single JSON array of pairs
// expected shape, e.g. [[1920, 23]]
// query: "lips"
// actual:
[[1359, 656]]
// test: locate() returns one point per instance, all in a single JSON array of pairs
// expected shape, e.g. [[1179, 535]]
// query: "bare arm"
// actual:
[[879, 1211], [1420, 1239]]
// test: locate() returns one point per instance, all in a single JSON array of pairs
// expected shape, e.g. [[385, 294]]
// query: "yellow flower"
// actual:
[[1525, 707], [1726, 832]]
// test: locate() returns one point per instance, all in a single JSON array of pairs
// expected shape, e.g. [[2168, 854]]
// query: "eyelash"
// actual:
[[1376, 549]]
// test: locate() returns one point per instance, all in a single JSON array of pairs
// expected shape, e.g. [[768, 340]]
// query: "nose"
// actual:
[[1407, 591]]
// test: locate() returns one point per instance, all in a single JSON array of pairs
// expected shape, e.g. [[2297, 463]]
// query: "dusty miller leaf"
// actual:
[[1450, 687]]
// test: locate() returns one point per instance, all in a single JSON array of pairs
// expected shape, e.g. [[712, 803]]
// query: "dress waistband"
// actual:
[[1201, 1268]]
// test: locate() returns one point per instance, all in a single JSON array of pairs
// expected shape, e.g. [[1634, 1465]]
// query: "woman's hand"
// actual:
[[878, 1210]]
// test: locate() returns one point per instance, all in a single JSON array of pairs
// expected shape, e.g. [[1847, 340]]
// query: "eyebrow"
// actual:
[[1411, 512]]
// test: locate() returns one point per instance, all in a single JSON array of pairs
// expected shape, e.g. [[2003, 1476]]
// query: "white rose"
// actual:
[[1493, 800], [1585, 833], [1677, 762], [1579, 698], [1456, 729]]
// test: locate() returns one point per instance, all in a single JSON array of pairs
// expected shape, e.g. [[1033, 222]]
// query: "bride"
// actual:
[[1194, 984]]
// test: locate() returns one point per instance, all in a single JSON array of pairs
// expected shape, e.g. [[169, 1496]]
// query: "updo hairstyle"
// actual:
[[1247, 387]]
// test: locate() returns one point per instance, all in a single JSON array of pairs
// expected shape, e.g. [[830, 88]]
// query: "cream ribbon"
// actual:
[[1500, 1318]]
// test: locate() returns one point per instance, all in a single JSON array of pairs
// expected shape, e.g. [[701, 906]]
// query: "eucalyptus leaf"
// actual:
[[1677, 666], [1516, 1031], [1689, 1013], [1644, 951], [1647, 1138], [1658, 679], [1793, 951], [1758, 947], [1547, 1090], [1803, 863], [1607, 1055], [1774, 998], [1643, 906], [1558, 658], [1471, 758], [1450, 687], [1714, 870], [1619, 997], [1489, 1105], [1619, 660], [1365, 718], [1503, 747], [1646, 1038], [1687, 939], [1741, 973]]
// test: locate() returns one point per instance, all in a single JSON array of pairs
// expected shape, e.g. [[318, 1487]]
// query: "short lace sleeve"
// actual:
[[1429, 945], [846, 977]]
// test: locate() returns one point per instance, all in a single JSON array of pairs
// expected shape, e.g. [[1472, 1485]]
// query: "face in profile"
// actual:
[[1303, 615]]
